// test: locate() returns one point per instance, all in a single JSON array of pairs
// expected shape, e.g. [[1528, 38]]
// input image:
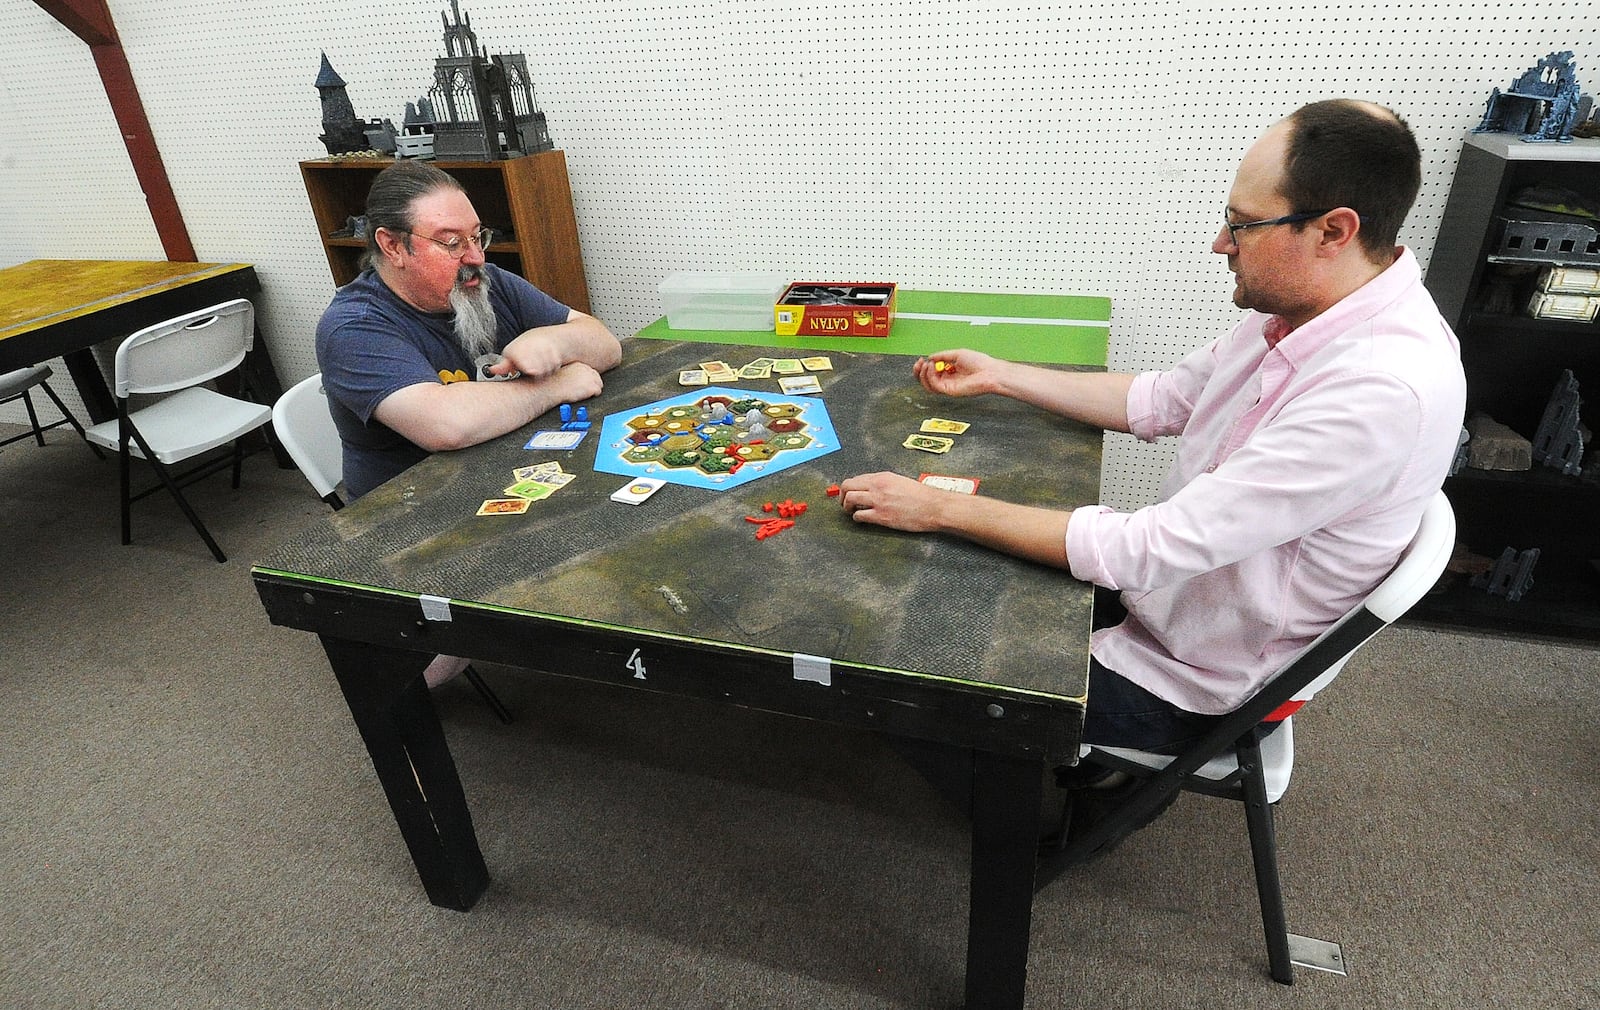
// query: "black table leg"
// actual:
[[393, 711], [92, 389], [1006, 793]]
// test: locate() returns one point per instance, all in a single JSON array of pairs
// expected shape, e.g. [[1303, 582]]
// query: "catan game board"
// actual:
[[715, 437]]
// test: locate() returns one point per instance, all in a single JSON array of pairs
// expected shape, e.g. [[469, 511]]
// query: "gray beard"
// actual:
[[475, 325]]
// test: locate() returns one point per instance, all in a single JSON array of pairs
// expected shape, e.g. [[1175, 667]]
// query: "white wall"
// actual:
[[960, 144]]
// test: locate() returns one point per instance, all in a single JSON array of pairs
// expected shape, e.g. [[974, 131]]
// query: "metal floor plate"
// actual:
[[1322, 955]]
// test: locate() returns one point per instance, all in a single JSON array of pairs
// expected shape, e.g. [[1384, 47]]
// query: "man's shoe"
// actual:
[[1086, 808]]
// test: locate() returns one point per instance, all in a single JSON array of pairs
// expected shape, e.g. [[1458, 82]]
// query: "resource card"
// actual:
[[928, 443]]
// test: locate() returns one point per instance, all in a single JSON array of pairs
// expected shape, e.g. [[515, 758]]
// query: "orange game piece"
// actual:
[[833, 490]]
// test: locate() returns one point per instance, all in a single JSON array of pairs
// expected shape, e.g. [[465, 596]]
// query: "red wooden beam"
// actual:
[[90, 20]]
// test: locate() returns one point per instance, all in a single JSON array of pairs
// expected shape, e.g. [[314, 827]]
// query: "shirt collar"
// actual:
[[1362, 303]]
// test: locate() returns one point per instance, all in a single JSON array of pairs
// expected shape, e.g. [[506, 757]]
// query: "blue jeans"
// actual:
[[1120, 713]]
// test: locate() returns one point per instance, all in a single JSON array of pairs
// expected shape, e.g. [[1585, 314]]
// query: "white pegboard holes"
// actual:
[[971, 144]]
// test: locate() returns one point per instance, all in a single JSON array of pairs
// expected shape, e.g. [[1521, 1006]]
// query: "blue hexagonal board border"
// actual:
[[619, 451]]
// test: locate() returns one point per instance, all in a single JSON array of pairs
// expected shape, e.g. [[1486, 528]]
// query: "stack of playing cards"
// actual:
[[788, 369], [932, 439], [533, 483]]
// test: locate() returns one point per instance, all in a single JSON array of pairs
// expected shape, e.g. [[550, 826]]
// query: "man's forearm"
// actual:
[[442, 417], [1019, 530], [1097, 398], [582, 338]]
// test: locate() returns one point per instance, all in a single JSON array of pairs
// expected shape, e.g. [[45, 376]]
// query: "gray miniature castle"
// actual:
[[342, 131], [1545, 104], [484, 107]]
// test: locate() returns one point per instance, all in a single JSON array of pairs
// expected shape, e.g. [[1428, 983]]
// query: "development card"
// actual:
[[942, 426], [960, 485], [636, 491], [928, 443], [794, 384], [504, 507], [555, 440]]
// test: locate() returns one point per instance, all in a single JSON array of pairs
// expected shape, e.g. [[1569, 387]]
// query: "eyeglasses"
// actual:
[[1235, 229], [457, 247]]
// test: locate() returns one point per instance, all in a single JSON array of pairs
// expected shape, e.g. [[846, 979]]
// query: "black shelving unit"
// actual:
[[1512, 363]]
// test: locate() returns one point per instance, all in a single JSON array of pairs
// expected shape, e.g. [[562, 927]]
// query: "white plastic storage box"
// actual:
[[721, 300]]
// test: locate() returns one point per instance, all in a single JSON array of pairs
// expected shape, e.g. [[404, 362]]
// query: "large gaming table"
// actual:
[[981, 657]]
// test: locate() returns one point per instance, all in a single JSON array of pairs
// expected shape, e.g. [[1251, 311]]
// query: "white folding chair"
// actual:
[[306, 431], [1237, 761], [174, 358], [19, 385]]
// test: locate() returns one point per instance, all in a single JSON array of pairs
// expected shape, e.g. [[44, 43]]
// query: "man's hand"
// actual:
[[575, 381], [958, 373], [537, 354], [888, 499]]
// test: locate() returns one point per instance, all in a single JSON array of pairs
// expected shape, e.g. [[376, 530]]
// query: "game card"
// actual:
[[693, 377], [718, 371], [757, 371], [504, 507], [531, 490], [793, 384], [787, 366], [822, 363], [536, 471], [944, 482], [636, 491], [928, 443], [555, 440], [944, 427]]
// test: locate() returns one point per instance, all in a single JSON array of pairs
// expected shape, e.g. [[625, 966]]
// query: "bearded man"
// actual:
[[432, 348]]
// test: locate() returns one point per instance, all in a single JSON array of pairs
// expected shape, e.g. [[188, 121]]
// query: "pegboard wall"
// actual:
[[958, 144]]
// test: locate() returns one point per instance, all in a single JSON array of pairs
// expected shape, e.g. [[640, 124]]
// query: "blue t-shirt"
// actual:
[[370, 343]]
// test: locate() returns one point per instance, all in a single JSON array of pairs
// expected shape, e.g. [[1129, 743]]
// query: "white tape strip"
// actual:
[[986, 320], [436, 608], [816, 669]]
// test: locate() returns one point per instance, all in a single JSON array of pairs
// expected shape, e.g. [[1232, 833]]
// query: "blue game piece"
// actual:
[[566, 412], [583, 413]]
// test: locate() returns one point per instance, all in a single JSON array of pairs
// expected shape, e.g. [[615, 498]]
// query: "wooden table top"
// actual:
[[44, 292]]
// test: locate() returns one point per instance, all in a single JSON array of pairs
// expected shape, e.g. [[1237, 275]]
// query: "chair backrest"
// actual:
[[305, 427], [1416, 572], [187, 350]]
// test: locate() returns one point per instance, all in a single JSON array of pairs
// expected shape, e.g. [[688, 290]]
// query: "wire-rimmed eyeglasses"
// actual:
[[457, 247]]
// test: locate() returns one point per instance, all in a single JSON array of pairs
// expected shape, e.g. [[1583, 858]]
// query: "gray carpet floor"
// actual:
[[188, 819]]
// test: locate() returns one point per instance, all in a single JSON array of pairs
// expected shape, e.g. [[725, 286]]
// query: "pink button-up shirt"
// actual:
[[1303, 472]]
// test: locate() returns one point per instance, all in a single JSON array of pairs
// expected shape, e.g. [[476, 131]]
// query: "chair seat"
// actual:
[[170, 427], [15, 383], [1277, 761]]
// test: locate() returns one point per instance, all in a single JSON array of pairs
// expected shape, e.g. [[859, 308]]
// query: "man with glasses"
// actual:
[[1313, 435], [433, 348]]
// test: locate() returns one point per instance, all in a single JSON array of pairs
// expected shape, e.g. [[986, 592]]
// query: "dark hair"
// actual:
[[1345, 153], [392, 196]]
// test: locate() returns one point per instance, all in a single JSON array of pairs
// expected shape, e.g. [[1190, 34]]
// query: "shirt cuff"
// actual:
[[1141, 406], [1083, 552]]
